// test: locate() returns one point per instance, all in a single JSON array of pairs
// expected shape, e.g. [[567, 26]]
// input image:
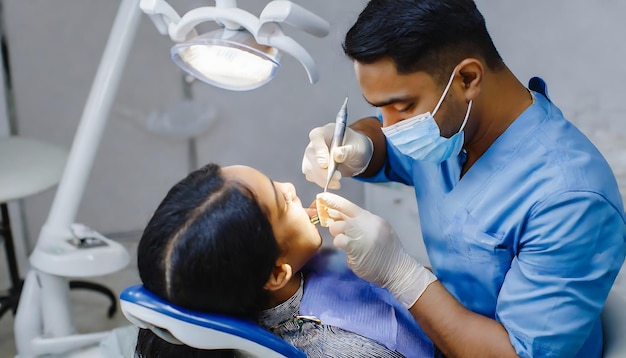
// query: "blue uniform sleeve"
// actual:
[[397, 167], [569, 255]]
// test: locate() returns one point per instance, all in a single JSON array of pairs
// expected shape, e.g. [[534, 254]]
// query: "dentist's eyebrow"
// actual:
[[392, 100]]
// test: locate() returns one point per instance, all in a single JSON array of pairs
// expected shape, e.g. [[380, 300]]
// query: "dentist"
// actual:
[[521, 215]]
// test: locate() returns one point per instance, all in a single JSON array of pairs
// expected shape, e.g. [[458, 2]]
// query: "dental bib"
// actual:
[[335, 295]]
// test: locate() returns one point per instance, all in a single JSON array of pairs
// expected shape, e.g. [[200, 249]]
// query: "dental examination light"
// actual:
[[245, 52]]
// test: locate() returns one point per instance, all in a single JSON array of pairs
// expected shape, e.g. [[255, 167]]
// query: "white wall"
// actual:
[[14, 207], [575, 45]]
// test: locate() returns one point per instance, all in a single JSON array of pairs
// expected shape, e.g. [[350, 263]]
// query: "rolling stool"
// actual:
[[28, 167]]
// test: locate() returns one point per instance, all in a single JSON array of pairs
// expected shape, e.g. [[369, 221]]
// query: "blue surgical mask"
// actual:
[[419, 137]]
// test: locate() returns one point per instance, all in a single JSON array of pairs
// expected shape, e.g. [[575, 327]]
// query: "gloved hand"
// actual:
[[352, 158], [373, 250]]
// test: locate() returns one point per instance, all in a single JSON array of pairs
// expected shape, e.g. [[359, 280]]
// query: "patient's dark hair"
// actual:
[[208, 247], [421, 35]]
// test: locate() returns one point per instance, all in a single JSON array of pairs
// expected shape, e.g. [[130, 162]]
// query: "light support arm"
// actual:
[[179, 31], [161, 14], [225, 4]]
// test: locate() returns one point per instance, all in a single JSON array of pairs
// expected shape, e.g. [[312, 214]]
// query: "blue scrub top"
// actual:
[[533, 235]]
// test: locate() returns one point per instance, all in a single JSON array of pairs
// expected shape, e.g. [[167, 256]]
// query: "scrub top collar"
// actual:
[[499, 153]]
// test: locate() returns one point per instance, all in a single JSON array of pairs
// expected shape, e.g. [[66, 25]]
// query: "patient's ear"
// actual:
[[279, 277]]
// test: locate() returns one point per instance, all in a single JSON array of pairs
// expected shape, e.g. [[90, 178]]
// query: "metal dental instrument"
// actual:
[[340, 129]]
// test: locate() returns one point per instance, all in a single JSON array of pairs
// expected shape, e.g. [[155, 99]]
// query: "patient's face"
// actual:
[[297, 237]]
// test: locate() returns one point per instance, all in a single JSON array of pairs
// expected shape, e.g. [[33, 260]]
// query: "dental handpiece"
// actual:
[[340, 129]]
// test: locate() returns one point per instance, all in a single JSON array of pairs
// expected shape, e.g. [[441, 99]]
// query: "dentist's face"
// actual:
[[298, 239], [402, 96]]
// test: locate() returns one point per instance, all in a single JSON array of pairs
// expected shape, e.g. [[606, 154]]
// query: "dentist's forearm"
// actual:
[[370, 126], [457, 331]]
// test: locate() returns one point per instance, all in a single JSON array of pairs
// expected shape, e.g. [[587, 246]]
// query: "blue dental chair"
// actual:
[[177, 325], [205, 331]]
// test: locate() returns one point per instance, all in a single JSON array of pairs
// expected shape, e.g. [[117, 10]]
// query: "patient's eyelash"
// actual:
[[288, 197]]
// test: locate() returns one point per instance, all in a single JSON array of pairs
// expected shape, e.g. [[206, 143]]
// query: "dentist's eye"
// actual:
[[406, 108]]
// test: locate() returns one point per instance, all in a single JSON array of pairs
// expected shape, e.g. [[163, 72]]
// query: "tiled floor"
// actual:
[[89, 308]]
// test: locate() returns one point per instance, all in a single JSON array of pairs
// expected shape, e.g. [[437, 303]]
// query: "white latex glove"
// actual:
[[373, 250], [352, 158]]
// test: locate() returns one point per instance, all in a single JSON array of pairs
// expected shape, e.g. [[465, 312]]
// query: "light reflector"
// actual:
[[229, 59]]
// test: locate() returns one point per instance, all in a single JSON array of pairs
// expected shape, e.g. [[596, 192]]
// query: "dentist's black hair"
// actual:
[[208, 247], [421, 35]]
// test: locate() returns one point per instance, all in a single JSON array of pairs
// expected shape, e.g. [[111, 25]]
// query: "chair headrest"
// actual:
[[201, 330]]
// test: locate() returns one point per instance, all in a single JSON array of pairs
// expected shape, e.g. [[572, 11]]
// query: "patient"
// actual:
[[231, 241]]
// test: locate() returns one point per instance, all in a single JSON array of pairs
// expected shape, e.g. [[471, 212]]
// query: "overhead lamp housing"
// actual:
[[228, 59], [245, 52]]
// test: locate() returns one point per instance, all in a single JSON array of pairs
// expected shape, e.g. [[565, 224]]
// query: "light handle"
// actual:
[[283, 11], [292, 47]]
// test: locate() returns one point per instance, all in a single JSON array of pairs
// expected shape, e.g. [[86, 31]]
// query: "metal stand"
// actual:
[[64, 250]]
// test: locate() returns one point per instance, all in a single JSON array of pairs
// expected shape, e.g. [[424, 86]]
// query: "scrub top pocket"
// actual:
[[477, 262], [471, 242]]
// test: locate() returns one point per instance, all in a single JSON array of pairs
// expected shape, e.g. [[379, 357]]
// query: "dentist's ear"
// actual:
[[279, 277], [471, 71]]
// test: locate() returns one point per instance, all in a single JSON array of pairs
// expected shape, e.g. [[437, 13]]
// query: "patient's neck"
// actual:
[[283, 294]]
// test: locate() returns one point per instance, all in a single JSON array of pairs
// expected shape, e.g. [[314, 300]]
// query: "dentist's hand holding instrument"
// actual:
[[341, 121], [334, 151]]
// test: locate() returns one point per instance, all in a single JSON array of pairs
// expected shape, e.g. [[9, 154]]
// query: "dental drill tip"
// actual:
[[315, 219]]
